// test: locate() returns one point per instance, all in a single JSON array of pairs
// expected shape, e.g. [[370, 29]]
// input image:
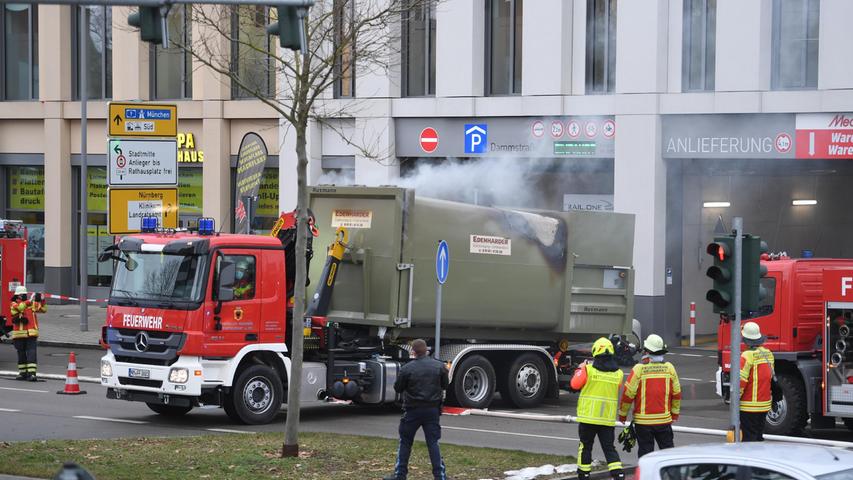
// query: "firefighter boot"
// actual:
[[617, 474], [23, 376], [582, 475]]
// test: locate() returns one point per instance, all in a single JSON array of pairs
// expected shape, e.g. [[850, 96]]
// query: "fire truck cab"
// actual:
[[13, 267], [807, 321]]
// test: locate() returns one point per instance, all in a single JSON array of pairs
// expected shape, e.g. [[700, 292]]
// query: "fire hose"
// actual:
[[675, 428]]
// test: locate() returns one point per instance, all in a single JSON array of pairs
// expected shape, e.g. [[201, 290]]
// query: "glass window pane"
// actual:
[[108, 73], [499, 23], [611, 45], [188, 58], [702, 471], [756, 473], [169, 68], [812, 29], [25, 202], [792, 36], [415, 50], [95, 50], [254, 67], [432, 49], [517, 36], [17, 51], [34, 69], [695, 60], [345, 86], [710, 44]]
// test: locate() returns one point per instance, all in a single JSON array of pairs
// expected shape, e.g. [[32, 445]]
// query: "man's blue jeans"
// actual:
[[413, 419]]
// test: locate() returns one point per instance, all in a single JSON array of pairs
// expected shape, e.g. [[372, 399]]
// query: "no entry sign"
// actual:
[[429, 140]]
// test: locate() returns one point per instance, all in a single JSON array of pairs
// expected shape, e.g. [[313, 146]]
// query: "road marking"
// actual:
[[690, 355], [10, 410], [104, 419], [692, 379], [227, 430], [477, 430], [52, 376], [23, 390]]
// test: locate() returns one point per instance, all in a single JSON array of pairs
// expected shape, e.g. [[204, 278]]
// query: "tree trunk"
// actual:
[[291, 427]]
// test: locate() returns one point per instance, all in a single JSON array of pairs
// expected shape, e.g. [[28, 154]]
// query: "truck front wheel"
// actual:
[[527, 381], [169, 410], [255, 397], [474, 382], [788, 416]]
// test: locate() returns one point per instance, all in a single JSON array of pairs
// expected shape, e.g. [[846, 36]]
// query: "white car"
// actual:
[[747, 461]]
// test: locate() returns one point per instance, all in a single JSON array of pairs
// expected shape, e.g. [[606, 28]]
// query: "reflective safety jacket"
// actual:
[[654, 390], [26, 310], [756, 373], [599, 398]]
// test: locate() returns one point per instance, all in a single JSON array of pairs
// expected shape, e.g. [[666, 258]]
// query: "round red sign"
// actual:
[[429, 140]]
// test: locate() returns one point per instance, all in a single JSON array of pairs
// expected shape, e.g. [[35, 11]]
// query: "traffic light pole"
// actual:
[[84, 175], [734, 358]]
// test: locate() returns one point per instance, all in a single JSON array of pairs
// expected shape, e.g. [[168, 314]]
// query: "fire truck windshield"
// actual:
[[145, 278]]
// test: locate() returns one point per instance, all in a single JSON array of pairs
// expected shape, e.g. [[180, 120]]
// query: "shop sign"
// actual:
[[516, 137], [187, 152], [250, 169], [267, 205], [587, 202], [26, 188], [825, 135], [96, 189], [728, 136], [190, 191]]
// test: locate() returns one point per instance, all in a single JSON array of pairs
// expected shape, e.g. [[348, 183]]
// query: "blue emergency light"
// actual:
[[149, 224], [206, 226]]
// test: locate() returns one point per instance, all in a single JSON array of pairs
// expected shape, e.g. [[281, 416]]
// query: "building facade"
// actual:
[[685, 113]]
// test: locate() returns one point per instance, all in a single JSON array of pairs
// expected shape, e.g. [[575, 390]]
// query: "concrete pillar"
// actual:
[[641, 46], [640, 188], [131, 57], [216, 169], [834, 68], [744, 52], [579, 48], [675, 45], [460, 32], [381, 167], [54, 52], [58, 213], [547, 27]]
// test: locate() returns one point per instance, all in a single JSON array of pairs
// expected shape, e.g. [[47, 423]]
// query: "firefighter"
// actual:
[[756, 375], [25, 331], [245, 275], [654, 390], [598, 403]]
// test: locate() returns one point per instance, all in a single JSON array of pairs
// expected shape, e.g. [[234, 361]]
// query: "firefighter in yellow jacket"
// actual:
[[25, 331], [655, 392], [597, 408]]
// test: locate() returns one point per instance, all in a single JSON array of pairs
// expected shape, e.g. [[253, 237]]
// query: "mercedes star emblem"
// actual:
[[141, 342]]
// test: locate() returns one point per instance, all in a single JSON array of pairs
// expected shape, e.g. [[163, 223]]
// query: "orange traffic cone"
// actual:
[[71, 385]]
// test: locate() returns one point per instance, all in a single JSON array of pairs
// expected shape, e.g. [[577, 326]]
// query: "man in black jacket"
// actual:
[[422, 383]]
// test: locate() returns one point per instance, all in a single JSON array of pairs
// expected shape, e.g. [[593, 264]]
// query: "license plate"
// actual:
[[138, 373]]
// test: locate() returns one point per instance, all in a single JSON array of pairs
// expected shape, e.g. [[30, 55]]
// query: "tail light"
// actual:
[[637, 472]]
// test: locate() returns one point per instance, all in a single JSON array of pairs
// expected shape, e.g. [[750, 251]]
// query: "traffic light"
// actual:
[[723, 273], [151, 22], [287, 28], [753, 272]]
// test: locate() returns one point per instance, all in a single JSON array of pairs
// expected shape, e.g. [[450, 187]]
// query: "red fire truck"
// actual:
[[13, 267], [807, 317]]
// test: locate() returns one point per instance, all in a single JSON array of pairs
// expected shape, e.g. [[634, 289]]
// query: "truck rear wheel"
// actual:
[[527, 381], [256, 396], [474, 382], [169, 410], [788, 416]]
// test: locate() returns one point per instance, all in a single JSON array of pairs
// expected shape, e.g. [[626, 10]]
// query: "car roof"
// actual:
[[814, 459]]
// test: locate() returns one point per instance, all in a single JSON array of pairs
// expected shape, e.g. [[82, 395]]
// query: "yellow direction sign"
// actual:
[[143, 120], [127, 206]]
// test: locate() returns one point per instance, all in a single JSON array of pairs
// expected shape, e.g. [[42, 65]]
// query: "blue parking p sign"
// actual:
[[476, 137]]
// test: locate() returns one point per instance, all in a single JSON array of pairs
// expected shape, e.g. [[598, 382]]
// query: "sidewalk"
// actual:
[[60, 326]]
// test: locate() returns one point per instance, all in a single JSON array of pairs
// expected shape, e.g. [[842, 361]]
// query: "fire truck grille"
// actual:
[[139, 382], [145, 346]]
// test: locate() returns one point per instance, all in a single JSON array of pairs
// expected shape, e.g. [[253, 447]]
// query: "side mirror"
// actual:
[[107, 253], [227, 277], [130, 264], [225, 294]]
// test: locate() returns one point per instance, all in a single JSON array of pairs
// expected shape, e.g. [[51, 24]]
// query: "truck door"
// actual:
[[237, 322], [769, 313]]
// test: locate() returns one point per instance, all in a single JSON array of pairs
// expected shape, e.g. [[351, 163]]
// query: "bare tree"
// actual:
[[344, 37]]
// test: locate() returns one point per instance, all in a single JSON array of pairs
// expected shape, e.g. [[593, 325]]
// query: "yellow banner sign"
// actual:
[[129, 205], [143, 120]]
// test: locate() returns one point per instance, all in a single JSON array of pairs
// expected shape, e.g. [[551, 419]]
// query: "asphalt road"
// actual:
[[33, 411]]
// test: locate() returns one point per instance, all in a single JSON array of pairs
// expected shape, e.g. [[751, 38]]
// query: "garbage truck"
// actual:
[[199, 318]]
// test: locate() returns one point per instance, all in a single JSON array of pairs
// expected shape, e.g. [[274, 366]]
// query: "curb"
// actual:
[[86, 346], [52, 376]]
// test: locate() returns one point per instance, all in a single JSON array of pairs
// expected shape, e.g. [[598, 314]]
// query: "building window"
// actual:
[[25, 202], [19, 61], [419, 50], [600, 46], [252, 53], [172, 71], [503, 41], [99, 52], [344, 16], [795, 43], [700, 29]]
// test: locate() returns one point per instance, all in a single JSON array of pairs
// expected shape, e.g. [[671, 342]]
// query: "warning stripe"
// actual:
[[74, 299]]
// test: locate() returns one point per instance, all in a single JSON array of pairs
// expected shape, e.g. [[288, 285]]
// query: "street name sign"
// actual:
[[127, 206], [142, 120], [142, 162]]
